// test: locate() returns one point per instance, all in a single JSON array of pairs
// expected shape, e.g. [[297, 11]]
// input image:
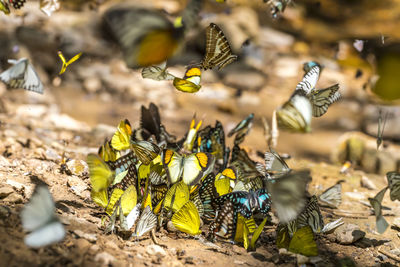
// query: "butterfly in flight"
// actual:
[[22, 75], [66, 63]]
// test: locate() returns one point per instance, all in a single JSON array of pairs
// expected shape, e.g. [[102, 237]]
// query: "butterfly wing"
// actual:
[[303, 242], [295, 114], [172, 163], [187, 219], [133, 216], [323, 98], [307, 85], [275, 163], [101, 176], [147, 222], [46, 235], [376, 203], [311, 216], [185, 85], [218, 50], [257, 234], [332, 197], [157, 73], [176, 196], [196, 166], [394, 185], [39, 210], [288, 194], [145, 151], [121, 138]]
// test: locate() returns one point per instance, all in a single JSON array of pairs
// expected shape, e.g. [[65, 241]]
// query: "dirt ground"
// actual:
[[81, 108]]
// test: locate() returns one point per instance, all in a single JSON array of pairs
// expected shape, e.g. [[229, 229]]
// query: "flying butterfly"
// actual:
[[295, 114], [332, 197], [157, 72], [66, 63], [190, 167], [218, 50], [49, 6], [22, 75], [39, 218], [376, 203], [275, 165], [147, 37], [288, 194], [146, 223], [187, 219], [381, 128], [393, 179], [190, 83]]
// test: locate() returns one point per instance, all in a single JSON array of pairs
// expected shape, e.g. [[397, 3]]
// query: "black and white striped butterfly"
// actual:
[[22, 75], [146, 223], [320, 99], [38, 217], [218, 50]]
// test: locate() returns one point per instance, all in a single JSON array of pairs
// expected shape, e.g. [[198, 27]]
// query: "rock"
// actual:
[[396, 222], [348, 234], [14, 198], [77, 185], [156, 250], [64, 121], [89, 237], [301, 259], [355, 195], [104, 258], [5, 191], [52, 155], [112, 245], [94, 248], [248, 80], [36, 111], [92, 84], [78, 167], [4, 212], [82, 245], [4, 162], [367, 183], [16, 184], [395, 251]]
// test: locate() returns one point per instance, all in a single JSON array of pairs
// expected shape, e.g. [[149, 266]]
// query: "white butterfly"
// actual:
[[38, 217], [22, 75], [147, 222]]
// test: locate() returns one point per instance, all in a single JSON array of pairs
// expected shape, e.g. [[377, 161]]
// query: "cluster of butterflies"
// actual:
[[47, 6], [306, 101], [393, 179], [145, 178], [218, 54]]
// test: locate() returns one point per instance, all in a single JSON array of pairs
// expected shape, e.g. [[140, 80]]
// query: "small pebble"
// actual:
[[156, 250], [104, 258]]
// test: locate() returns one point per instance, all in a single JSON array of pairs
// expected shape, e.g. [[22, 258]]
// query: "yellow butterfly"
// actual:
[[192, 168], [192, 134], [4, 7], [128, 200], [122, 137], [303, 242], [108, 153], [101, 176], [67, 63], [190, 83], [225, 181], [187, 219], [145, 151], [176, 196], [242, 222]]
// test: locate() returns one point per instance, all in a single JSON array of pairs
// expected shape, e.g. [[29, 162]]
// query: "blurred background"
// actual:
[[99, 89]]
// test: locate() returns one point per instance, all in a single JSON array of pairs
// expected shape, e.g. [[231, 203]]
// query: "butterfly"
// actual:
[[242, 129], [145, 151], [288, 194], [157, 72], [191, 134], [190, 167], [132, 217], [246, 227], [121, 138], [101, 175], [332, 197], [212, 140], [177, 195], [246, 203], [376, 203], [295, 114], [146, 223], [275, 165], [225, 181], [271, 135], [66, 63], [311, 215], [49, 6], [4, 7], [107, 152], [393, 179], [225, 222], [17, 4], [381, 128], [22, 75], [147, 37], [277, 6], [150, 124], [38, 217], [218, 50], [208, 194], [187, 219], [190, 83], [303, 242]]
